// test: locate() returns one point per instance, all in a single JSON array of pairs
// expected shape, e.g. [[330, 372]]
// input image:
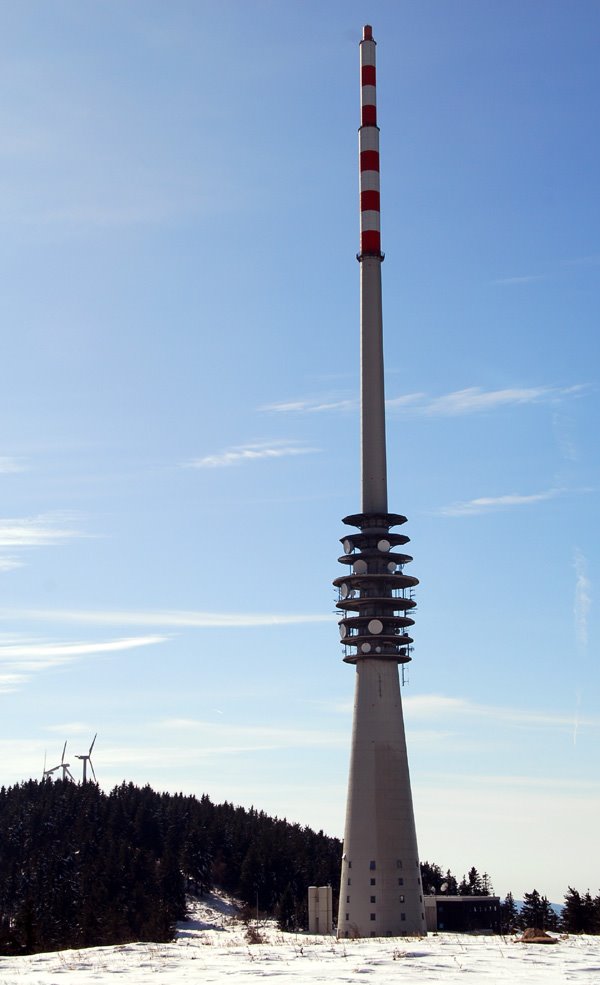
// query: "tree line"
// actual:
[[82, 868], [580, 913]]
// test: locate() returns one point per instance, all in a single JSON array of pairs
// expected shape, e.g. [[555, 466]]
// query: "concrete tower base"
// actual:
[[380, 893]]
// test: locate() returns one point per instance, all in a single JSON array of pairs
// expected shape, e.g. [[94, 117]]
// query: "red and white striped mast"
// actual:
[[373, 455], [380, 890]]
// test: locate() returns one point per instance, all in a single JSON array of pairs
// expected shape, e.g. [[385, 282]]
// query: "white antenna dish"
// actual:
[[383, 545], [343, 631], [360, 567], [348, 546], [365, 647], [375, 626], [391, 567]]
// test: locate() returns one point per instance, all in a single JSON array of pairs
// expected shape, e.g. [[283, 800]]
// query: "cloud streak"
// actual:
[[583, 599], [18, 661], [310, 405], [438, 707], [9, 465], [10, 563], [36, 531], [470, 400], [475, 399], [167, 619], [524, 279], [491, 504], [251, 452]]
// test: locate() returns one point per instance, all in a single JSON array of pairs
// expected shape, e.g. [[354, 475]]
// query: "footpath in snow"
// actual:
[[212, 946]]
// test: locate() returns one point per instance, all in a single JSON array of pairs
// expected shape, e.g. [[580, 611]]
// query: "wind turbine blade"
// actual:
[[44, 772], [93, 771], [69, 774], [92, 745], [62, 758]]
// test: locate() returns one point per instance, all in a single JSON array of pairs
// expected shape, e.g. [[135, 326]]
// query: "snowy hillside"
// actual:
[[212, 946]]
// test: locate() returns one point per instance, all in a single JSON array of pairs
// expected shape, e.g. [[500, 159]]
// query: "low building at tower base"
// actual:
[[463, 914]]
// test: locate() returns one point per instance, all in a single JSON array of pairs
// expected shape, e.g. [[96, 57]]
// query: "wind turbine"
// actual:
[[62, 765], [88, 759], [45, 772], [65, 766]]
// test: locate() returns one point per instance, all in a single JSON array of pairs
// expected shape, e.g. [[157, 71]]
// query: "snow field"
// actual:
[[212, 947]]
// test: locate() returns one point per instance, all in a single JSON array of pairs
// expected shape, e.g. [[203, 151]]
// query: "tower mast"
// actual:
[[380, 892]]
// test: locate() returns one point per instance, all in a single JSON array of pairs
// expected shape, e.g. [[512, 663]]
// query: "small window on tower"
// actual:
[[399, 863], [400, 881], [372, 916], [349, 881], [403, 916], [373, 881], [372, 865], [402, 898], [373, 900], [347, 899]]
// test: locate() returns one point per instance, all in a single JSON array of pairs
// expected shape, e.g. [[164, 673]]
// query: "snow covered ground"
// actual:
[[211, 946]]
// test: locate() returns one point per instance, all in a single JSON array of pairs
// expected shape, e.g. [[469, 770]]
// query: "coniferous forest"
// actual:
[[81, 868]]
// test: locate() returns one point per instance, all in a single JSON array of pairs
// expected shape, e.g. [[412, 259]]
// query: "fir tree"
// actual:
[[509, 914]]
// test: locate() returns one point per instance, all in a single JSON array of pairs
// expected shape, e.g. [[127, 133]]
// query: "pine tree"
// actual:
[[581, 914], [509, 915], [537, 912]]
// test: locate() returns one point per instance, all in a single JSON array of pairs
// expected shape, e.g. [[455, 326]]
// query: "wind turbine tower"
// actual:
[[88, 759], [381, 892]]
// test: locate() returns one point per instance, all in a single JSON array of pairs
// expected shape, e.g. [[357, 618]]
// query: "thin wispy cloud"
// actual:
[[470, 400], [11, 682], [252, 452], [19, 661], [563, 428], [592, 260], [10, 563], [315, 405], [10, 465], [70, 728], [491, 504], [523, 279], [407, 400], [583, 599], [475, 399], [168, 619], [226, 737], [437, 708], [37, 531]]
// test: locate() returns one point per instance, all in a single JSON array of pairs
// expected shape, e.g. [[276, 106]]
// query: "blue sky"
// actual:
[[179, 424]]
